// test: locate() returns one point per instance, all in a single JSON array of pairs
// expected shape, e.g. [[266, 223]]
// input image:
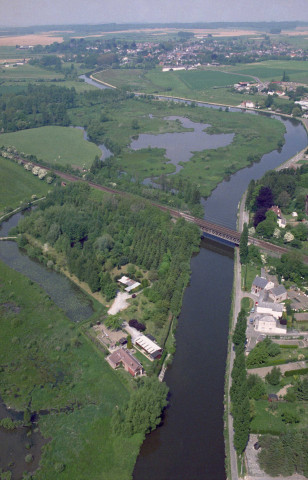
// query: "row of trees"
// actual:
[[239, 390]]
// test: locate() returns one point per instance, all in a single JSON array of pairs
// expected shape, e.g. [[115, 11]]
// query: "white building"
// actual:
[[268, 324], [268, 308]]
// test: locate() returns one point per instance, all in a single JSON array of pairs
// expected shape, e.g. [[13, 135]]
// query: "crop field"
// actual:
[[273, 70], [39, 39], [18, 185], [204, 79], [56, 145], [48, 361]]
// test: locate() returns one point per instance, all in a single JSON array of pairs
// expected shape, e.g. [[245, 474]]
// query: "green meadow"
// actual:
[[55, 145], [18, 185]]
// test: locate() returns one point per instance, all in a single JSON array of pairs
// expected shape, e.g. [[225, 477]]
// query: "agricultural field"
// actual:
[[273, 70], [17, 185], [196, 85], [52, 365], [28, 72], [55, 145]]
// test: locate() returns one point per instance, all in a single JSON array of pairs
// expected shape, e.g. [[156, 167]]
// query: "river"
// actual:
[[189, 445]]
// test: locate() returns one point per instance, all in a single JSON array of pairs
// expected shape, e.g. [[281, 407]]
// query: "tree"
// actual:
[[143, 411], [273, 377], [244, 244]]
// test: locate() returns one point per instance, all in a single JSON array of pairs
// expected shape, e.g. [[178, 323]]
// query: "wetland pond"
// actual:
[[181, 146]]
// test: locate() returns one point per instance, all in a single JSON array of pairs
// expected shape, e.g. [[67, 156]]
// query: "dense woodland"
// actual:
[[37, 106], [96, 239]]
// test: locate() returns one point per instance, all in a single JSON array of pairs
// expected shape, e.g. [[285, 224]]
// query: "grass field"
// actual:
[[27, 72], [273, 70], [56, 145], [17, 185], [48, 363]]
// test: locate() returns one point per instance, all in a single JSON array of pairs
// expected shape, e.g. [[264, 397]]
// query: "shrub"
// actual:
[[137, 325]]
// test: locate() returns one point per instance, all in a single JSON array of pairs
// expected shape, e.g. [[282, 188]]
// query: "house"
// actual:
[[269, 325], [269, 308], [276, 210], [149, 347], [248, 104], [127, 360], [282, 222], [278, 294], [260, 284], [131, 284]]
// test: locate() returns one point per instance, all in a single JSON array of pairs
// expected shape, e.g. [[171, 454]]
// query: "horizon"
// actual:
[[34, 13]]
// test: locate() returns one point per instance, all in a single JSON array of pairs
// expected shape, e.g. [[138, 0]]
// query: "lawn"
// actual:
[[249, 273], [48, 363], [55, 145], [17, 185]]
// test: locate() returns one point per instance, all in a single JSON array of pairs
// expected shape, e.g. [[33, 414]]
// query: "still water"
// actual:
[[181, 146]]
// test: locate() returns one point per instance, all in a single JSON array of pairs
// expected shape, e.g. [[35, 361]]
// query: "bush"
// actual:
[[273, 377], [137, 325]]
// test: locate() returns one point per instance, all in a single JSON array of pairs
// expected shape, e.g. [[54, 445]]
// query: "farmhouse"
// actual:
[[151, 348], [127, 360], [268, 324], [260, 284], [278, 294]]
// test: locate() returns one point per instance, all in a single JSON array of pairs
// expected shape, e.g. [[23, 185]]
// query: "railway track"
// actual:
[[208, 227]]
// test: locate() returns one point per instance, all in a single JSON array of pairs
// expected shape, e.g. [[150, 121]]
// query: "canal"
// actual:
[[190, 445]]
